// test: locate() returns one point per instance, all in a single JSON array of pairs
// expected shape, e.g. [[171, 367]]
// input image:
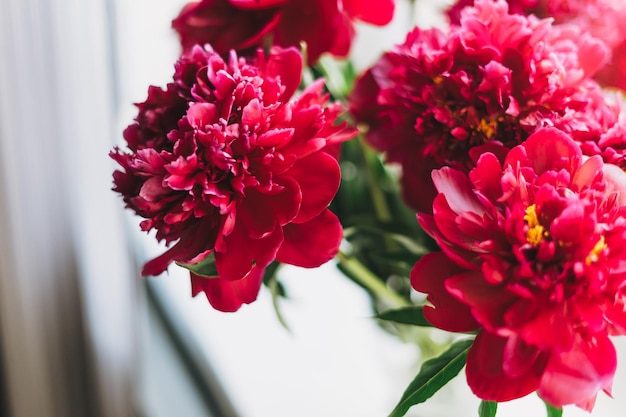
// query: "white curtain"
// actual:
[[67, 285]]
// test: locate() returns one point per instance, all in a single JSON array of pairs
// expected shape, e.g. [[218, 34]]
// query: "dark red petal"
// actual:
[[318, 176], [579, 374], [260, 212], [428, 276], [194, 241], [312, 243], [237, 252], [227, 295], [486, 376], [488, 303]]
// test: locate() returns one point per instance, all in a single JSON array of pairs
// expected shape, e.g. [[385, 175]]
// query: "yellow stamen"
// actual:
[[535, 232], [487, 127], [599, 247]]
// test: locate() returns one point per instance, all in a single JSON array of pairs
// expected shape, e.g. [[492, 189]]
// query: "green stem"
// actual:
[[378, 197], [369, 280]]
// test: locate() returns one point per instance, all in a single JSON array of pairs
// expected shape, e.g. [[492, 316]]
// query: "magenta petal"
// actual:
[[318, 176], [286, 64], [486, 176], [376, 12], [485, 371], [312, 243], [550, 148], [256, 4], [458, 190], [226, 295], [428, 276], [577, 375]]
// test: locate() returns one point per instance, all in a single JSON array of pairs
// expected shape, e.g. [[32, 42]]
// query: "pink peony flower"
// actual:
[[533, 257], [603, 19], [325, 25], [224, 163], [487, 84]]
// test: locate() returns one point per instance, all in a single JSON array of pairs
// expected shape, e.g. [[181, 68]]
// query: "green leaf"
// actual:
[[413, 315], [487, 409], [433, 375], [205, 267], [553, 411]]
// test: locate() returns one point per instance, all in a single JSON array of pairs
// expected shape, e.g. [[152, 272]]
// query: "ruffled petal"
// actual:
[[577, 375], [227, 295], [312, 243], [485, 371], [445, 312], [238, 252], [318, 176]]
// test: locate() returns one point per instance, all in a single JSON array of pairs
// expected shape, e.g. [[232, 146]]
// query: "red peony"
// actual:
[[603, 19], [243, 25], [533, 257], [225, 165], [487, 84]]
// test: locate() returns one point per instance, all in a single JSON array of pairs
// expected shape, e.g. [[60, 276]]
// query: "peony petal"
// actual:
[[579, 374], [486, 176], [318, 176], [256, 4], [458, 190], [486, 376], [428, 276], [616, 182], [376, 12], [551, 149], [194, 241], [287, 64], [488, 303], [238, 252], [226, 295], [259, 212], [312, 243]]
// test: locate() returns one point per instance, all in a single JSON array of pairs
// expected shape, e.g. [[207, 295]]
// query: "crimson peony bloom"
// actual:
[[224, 163], [487, 84], [533, 257], [325, 25]]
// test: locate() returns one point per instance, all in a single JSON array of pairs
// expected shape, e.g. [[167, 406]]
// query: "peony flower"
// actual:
[[226, 166], [325, 25], [603, 19], [533, 258], [440, 97]]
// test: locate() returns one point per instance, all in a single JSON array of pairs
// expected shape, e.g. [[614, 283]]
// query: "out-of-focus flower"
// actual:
[[603, 19], [488, 83], [515, 6], [224, 163], [533, 257], [325, 25]]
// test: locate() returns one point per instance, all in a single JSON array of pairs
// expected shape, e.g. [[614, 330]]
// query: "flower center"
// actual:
[[536, 231], [487, 128], [599, 247]]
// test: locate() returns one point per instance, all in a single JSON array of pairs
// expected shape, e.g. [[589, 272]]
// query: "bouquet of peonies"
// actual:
[[481, 166]]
